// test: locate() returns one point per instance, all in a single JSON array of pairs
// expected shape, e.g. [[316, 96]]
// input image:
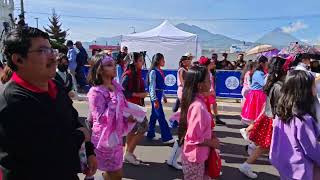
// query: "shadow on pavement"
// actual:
[[234, 173], [239, 154], [226, 116], [149, 142], [223, 134], [235, 126], [151, 171]]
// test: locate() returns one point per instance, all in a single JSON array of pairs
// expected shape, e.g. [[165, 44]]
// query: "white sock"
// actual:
[[252, 145], [245, 164]]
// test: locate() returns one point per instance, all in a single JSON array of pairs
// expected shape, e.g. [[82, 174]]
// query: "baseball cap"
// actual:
[[188, 54]]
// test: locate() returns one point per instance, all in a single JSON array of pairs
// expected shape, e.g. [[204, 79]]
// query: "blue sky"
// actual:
[[300, 18]]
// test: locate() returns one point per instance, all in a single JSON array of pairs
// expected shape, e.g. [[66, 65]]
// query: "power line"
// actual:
[[186, 19]]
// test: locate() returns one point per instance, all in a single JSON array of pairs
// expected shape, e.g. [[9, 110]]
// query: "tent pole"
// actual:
[[197, 47]]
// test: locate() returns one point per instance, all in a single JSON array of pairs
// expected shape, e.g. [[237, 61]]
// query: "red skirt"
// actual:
[[261, 133], [253, 105]]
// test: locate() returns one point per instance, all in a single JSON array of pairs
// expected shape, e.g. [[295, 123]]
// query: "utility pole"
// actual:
[[37, 19], [22, 7], [134, 29]]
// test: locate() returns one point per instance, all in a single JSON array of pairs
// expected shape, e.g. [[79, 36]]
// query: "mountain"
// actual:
[[210, 40], [278, 38], [207, 39]]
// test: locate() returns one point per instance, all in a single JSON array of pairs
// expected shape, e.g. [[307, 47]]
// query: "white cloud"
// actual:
[[294, 27]]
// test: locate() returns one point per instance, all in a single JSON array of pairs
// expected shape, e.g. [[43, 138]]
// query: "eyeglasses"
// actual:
[[44, 50]]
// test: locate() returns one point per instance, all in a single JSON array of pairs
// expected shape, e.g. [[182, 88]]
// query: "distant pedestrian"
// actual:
[[63, 76], [72, 58], [82, 60], [211, 98], [121, 65], [225, 64]]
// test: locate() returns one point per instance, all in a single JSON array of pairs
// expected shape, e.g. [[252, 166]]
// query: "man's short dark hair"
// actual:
[[69, 43], [19, 41], [60, 57]]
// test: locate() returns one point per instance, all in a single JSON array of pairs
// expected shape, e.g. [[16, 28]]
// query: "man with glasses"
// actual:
[[40, 135]]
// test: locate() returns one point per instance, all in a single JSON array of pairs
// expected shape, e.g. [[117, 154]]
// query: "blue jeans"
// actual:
[[80, 76], [158, 114]]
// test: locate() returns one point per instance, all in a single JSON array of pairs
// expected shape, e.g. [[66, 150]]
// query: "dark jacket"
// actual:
[[68, 85], [82, 57], [38, 136]]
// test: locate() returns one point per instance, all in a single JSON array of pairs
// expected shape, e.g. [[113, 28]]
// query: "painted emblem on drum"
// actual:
[[232, 83], [170, 80]]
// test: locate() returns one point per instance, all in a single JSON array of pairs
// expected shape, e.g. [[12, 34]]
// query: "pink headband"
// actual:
[[106, 59]]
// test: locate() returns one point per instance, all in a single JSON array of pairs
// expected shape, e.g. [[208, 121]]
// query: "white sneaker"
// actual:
[[175, 165], [154, 139], [246, 170], [171, 141], [128, 157], [174, 155], [244, 134]]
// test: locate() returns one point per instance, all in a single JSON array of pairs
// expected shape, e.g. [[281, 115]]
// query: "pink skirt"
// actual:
[[110, 159], [253, 105], [244, 92]]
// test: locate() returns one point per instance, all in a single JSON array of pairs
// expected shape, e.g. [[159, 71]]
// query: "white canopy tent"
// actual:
[[166, 39]]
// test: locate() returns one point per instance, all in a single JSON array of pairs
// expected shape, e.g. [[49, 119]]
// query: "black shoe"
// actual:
[[218, 121]]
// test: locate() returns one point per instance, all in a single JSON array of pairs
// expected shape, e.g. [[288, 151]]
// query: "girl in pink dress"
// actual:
[[255, 98], [106, 104], [211, 98], [195, 124], [245, 80]]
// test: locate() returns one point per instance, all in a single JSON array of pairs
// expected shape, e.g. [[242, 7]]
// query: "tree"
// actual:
[[57, 35]]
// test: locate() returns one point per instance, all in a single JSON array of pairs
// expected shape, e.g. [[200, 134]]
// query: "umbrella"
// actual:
[[294, 49], [260, 49], [271, 53]]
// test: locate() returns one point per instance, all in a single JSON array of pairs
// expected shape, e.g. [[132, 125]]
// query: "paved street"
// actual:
[[153, 154]]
